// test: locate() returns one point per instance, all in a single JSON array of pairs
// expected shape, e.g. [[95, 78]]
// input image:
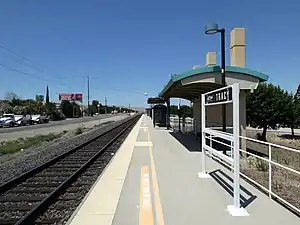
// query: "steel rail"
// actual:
[[33, 214]]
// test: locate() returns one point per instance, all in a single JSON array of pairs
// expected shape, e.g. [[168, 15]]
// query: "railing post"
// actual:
[[236, 146], [231, 149], [270, 171], [203, 134]]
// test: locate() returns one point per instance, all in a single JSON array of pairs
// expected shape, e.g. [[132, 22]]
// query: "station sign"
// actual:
[[223, 95], [156, 100]]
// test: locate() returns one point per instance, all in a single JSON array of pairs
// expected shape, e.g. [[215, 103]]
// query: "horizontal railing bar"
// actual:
[[256, 156], [208, 137], [221, 155], [219, 134], [273, 145]]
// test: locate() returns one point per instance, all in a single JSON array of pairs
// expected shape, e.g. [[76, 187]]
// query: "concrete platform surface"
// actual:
[[162, 187]]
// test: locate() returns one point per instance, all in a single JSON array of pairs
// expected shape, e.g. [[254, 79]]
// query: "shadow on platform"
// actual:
[[226, 182], [192, 142], [188, 140]]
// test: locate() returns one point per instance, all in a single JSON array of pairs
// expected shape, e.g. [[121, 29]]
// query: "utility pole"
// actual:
[[105, 100], [179, 114], [88, 94]]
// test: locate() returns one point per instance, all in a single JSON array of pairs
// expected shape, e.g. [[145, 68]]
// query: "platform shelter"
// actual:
[[196, 81], [159, 112]]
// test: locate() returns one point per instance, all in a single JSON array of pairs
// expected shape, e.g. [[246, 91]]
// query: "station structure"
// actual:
[[165, 178]]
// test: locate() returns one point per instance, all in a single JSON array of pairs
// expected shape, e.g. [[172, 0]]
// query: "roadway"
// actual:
[[57, 126], [54, 123]]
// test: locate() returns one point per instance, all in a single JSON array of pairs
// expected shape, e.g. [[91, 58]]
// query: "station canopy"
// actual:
[[176, 88]]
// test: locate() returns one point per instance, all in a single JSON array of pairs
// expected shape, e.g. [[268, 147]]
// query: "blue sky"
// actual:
[[131, 47]]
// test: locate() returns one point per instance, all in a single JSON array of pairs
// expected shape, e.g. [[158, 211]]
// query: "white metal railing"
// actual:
[[270, 162], [228, 160]]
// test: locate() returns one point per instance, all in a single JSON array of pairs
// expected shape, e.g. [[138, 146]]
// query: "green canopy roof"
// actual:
[[233, 69]]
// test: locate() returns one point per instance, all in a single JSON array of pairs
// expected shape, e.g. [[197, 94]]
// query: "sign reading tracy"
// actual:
[[219, 96]]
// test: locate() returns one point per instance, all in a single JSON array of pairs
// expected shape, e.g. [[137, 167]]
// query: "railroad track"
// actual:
[[48, 193]]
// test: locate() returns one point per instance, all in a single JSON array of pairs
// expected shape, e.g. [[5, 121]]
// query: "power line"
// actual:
[[27, 74], [64, 84], [14, 53], [23, 58], [29, 63], [19, 71]]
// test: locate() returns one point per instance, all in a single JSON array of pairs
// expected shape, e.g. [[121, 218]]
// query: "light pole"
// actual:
[[98, 109], [213, 29]]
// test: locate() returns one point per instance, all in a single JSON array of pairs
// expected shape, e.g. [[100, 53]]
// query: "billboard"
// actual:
[[71, 96], [39, 98]]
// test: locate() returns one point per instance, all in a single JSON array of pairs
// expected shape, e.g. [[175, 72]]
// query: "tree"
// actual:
[[76, 110], [66, 108], [266, 107], [94, 107], [5, 107], [292, 113], [297, 94], [174, 109], [19, 110], [47, 95], [186, 111], [70, 109], [49, 107], [10, 96]]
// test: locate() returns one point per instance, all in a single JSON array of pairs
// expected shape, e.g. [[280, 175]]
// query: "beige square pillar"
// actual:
[[238, 47], [211, 59]]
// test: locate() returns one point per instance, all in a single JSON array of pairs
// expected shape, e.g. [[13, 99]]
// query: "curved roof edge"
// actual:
[[233, 69]]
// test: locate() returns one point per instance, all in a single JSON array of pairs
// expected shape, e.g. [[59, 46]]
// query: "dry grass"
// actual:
[[285, 184]]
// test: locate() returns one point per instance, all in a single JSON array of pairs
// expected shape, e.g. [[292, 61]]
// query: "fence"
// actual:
[[265, 164], [190, 125], [186, 126]]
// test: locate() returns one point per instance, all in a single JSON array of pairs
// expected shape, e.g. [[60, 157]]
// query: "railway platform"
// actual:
[[153, 180]]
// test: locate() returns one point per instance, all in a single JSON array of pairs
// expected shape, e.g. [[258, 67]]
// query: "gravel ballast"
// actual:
[[32, 157]]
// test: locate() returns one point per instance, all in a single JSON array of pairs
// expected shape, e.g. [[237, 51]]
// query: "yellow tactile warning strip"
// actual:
[[143, 144], [158, 207], [99, 206], [146, 216], [146, 211]]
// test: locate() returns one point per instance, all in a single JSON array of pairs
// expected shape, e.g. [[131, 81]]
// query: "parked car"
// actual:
[[23, 120], [39, 119], [7, 120]]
